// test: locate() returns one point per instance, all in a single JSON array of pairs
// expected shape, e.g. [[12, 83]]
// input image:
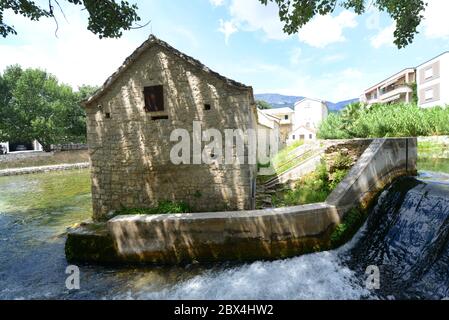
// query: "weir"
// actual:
[[245, 235]]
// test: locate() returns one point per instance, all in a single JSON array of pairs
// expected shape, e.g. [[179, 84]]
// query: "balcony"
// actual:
[[395, 93]]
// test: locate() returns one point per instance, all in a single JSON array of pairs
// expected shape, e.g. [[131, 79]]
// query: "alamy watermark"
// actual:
[[227, 147], [72, 282], [372, 281]]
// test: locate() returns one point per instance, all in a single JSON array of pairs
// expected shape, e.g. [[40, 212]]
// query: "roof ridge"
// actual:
[[152, 39]]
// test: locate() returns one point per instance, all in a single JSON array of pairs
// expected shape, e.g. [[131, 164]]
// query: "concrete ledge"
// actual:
[[43, 169], [250, 235], [382, 162], [208, 237]]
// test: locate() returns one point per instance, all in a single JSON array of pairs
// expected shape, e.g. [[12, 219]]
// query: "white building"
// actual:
[[433, 82], [431, 78], [395, 89], [303, 134], [309, 113], [268, 132], [286, 118], [12, 147]]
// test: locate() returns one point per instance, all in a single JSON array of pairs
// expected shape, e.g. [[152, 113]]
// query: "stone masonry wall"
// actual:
[[130, 151]]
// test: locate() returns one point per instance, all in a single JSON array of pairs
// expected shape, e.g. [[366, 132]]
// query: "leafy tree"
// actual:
[[107, 18], [262, 105], [407, 13], [75, 116], [39, 108]]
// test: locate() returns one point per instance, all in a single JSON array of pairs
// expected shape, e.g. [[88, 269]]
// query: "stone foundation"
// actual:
[[246, 235]]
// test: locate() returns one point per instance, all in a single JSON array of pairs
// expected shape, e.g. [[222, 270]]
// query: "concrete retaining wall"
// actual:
[[43, 169], [12, 157], [247, 235], [382, 162]]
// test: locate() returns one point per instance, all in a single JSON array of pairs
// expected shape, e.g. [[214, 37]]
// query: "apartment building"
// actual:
[[397, 88], [431, 78], [433, 82]]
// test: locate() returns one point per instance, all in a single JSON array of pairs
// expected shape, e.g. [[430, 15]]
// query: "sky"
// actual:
[[333, 57]]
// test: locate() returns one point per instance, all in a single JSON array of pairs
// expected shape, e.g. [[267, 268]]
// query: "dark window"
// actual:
[[108, 115], [159, 118], [154, 98], [310, 136], [293, 137], [207, 107], [286, 117]]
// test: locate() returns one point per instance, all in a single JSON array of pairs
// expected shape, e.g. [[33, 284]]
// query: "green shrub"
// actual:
[[351, 223], [342, 161], [382, 120], [337, 177]]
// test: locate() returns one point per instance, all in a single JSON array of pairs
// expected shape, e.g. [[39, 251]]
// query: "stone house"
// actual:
[[130, 120]]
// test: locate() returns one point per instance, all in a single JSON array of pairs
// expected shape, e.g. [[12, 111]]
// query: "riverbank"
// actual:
[[43, 169], [38, 159]]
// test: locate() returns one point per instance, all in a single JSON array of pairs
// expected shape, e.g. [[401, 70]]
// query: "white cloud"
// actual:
[[295, 56], [335, 86], [333, 58], [435, 22], [251, 15], [217, 3], [76, 56], [325, 30], [227, 28], [384, 37]]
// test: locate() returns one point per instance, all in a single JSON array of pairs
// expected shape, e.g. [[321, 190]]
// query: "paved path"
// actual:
[[41, 169]]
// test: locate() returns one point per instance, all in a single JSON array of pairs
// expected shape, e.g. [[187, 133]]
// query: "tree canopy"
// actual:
[[107, 18], [263, 105], [408, 14], [35, 106]]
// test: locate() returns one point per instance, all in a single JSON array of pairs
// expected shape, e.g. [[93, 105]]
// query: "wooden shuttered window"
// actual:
[[154, 98]]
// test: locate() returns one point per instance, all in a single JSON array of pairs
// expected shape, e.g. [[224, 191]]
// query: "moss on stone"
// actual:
[[352, 221], [90, 243]]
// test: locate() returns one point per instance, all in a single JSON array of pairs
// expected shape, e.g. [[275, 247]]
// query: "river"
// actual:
[[409, 244]]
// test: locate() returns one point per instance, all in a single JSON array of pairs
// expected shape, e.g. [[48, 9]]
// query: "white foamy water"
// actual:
[[314, 276]]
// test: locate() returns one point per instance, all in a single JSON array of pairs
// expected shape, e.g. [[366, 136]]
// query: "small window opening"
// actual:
[[286, 117], [159, 118], [154, 98], [207, 107], [108, 115]]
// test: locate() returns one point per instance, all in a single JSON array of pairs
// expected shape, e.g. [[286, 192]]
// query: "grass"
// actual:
[[163, 207], [284, 155], [286, 159], [385, 120], [312, 188], [43, 159]]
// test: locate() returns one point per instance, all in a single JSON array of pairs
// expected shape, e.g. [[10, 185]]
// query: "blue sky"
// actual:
[[333, 57]]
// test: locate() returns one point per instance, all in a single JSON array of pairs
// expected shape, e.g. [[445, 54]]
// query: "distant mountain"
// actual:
[[281, 101], [278, 100], [335, 107]]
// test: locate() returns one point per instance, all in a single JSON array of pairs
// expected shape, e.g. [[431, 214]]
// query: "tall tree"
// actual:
[[39, 108], [408, 14], [107, 18]]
